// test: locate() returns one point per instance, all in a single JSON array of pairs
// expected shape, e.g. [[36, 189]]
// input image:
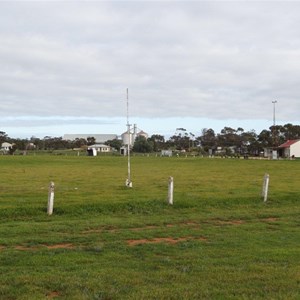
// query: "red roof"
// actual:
[[288, 143]]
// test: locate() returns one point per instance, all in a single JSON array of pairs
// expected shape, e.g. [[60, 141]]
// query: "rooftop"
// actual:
[[288, 143]]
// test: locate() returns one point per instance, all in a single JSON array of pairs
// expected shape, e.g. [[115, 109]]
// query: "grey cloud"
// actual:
[[185, 59]]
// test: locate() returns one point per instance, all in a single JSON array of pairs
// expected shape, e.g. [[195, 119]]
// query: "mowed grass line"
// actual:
[[104, 241]]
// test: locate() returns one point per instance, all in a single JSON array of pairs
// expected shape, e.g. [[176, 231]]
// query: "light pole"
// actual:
[[274, 102], [274, 133], [128, 180]]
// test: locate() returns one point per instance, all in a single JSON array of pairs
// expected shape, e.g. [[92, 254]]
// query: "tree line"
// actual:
[[228, 139]]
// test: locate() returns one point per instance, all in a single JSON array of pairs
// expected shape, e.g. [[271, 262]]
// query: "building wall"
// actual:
[[295, 150], [100, 148]]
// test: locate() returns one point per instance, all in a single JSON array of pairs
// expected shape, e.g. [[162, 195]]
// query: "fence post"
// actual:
[[50, 198], [170, 190], [265, 187]]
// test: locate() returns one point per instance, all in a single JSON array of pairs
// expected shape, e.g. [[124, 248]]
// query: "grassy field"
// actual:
[[105, 241]]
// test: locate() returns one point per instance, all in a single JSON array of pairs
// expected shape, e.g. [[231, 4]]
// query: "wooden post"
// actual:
[[265, 187], [50, 198], [170, 190]]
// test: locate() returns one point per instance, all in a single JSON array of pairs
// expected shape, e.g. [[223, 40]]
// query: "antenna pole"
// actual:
[[128, 180]]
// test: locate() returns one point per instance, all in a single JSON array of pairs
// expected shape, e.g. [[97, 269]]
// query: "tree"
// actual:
[[180, 140], [141, 145], [250, 143], [208, 139], [291, 132], [115, 143], [265, 138], [3, 137], [158, 142], [229, 137], [78, 143], [90, 140]]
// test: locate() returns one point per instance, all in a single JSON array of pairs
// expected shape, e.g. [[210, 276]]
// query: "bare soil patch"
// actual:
[[149, 227], [270, 219], [190, 223], [60, 246], [230, 222], [56, 246], [168, 240], [25, 248], [144, 228], [53, 294]]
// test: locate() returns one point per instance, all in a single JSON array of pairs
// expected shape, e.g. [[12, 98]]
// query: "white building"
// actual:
[[129, 138], [6, 146], [290, 149], [100, 148]]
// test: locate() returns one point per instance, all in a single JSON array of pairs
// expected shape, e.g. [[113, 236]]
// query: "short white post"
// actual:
[[265, 187], [170, 190], [50, 198]]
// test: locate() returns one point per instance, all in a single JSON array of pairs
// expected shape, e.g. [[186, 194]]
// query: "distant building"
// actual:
[[99, 138], [143, 133], [100, 148], [123, 150], [290, 149], [130, 137], [6, 146], [166, 153]]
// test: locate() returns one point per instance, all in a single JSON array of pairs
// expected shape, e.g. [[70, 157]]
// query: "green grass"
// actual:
[[218, 241]]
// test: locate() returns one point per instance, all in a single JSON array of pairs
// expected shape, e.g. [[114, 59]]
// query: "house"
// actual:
[[270, 153], [100, 148], [290, 149], [6, 146]]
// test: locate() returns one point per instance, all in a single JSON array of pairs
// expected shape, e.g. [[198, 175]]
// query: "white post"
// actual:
[[170, 190], [265, 187], [50, 198]]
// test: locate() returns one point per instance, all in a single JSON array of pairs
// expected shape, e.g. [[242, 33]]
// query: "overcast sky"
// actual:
[[65, 65]]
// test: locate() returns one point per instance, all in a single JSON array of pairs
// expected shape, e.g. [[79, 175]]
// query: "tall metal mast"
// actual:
[[128, 180]]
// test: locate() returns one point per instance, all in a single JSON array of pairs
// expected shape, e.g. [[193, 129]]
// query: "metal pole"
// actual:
[[274, 102], [128, 181], [274, 124]]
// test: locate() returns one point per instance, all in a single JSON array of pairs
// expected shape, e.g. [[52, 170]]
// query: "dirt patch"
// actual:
[[100, 230], [53, 294], [270, 219], [144, 228], [2, 247], [92, 231], [190, 223], [60, 246], [167, 240], [149, 227], [24, 248], [155, 241], [230, 222], [56, 246]]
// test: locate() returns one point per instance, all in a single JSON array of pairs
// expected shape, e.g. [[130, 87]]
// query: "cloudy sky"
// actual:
[[65, 65]]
